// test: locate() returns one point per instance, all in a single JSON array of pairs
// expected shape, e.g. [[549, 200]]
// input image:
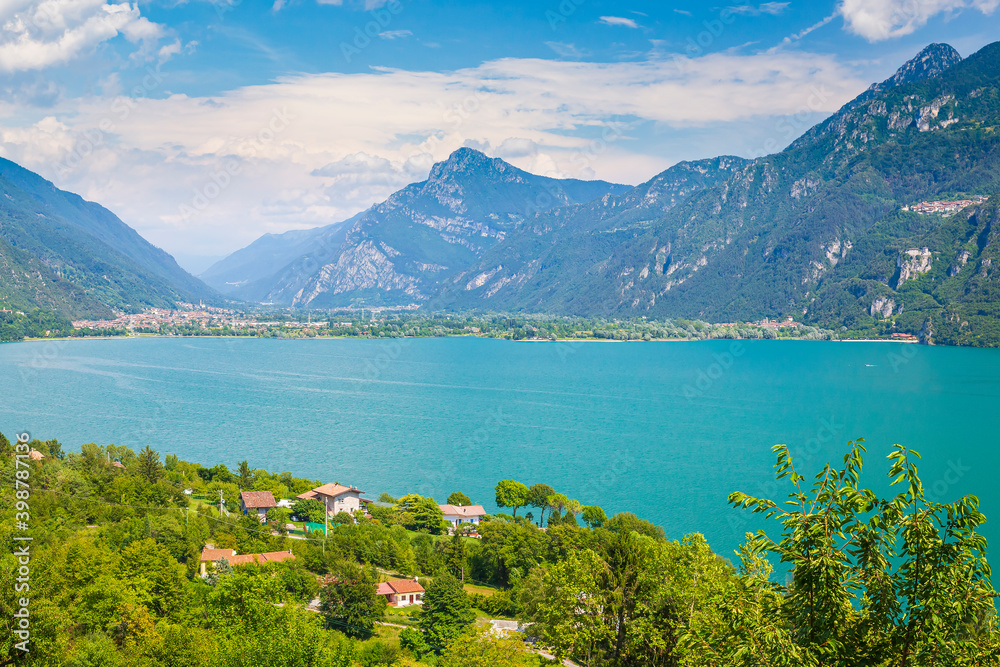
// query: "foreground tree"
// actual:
[[485, 648], [875, 581], [351, 602], [446, 612]]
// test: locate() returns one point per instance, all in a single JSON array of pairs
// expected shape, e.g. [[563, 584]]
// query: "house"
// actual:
[[336, 497], [458, 514], [402, 592], [118, 464], [257, 502], [35, 455], [230, 556]]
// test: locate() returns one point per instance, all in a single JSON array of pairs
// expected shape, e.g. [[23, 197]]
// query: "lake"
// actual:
[[664, 429]]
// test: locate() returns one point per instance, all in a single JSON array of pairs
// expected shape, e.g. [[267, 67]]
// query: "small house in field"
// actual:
[[402, 592], [459, 514], [209, 556], [257, 502], [336, 497]]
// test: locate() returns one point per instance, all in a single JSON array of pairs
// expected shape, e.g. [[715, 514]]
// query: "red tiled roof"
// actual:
[[276, 557], [213, 555], [255, 499], [242, 559], [406, 586], [463, 510], [331, 490], [384, 589]]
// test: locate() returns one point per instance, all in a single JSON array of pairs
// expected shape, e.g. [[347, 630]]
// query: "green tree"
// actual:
[[511, 493], [419, 513], [6, 449], [594, 516], [484, 648], [903, 579], [413, 640], [351, 603], [456, 556], [538, 496], [150, 467], [446, 612], [378, 654], [246, 475], [310, 510], [459, 498]]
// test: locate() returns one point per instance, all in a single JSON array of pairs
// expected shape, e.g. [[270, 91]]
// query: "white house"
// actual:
[[457, 514], [401, 592], [336, 497]]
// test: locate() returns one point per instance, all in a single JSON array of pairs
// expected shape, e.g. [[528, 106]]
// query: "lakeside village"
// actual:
[[201, 320], [407, 579]]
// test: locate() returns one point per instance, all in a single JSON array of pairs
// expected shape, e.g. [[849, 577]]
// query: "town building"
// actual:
[[257, 502], [459, 514], [402, 592], [336, 498], [211, 556]]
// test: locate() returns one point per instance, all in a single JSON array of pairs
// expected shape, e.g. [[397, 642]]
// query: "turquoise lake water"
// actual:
[[666, 430]]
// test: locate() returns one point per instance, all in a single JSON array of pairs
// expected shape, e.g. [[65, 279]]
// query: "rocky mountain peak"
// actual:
[[466, 161], [931, 62]]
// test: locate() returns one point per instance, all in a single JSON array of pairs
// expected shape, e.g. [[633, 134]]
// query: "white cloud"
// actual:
[[619, 20], [313, 149], [394, 34], [36, 34], [877, 20], [772, 8], [567, 50]]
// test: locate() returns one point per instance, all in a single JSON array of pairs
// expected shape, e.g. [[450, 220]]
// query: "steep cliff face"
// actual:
[[911, 263], [399, 251], [813, 231]]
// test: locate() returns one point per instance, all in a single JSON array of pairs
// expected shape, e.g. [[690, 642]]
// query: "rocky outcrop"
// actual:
[[912, 263], [960, 260], [883, 307]]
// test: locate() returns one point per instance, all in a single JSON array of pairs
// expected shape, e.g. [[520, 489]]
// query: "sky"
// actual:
[[206, 123]]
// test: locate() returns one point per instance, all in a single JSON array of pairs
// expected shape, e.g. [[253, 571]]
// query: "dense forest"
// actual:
[[110, 575]]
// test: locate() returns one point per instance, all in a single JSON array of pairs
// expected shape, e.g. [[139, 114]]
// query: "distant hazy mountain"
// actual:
[[815, 231], [249, 272], [75, 257], [399, 252]]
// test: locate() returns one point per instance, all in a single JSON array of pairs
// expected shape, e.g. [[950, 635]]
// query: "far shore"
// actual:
[[524, 340]]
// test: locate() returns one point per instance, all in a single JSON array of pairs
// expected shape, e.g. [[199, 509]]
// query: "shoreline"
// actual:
[[523, 340]]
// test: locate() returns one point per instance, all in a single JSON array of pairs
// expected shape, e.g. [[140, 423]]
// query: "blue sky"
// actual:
[[205, 124]]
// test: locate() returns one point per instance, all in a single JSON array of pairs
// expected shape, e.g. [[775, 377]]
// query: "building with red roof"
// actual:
[[402, 592]]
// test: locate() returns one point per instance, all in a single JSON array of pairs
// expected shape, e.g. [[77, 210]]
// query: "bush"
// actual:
[[378, 654]]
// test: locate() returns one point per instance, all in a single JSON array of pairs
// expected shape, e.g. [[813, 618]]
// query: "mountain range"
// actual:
[[819, 230], [69, 256], [824, 231]]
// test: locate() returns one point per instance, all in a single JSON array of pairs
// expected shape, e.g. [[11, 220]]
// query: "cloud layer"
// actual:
[[313, 149], [878, 20]]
